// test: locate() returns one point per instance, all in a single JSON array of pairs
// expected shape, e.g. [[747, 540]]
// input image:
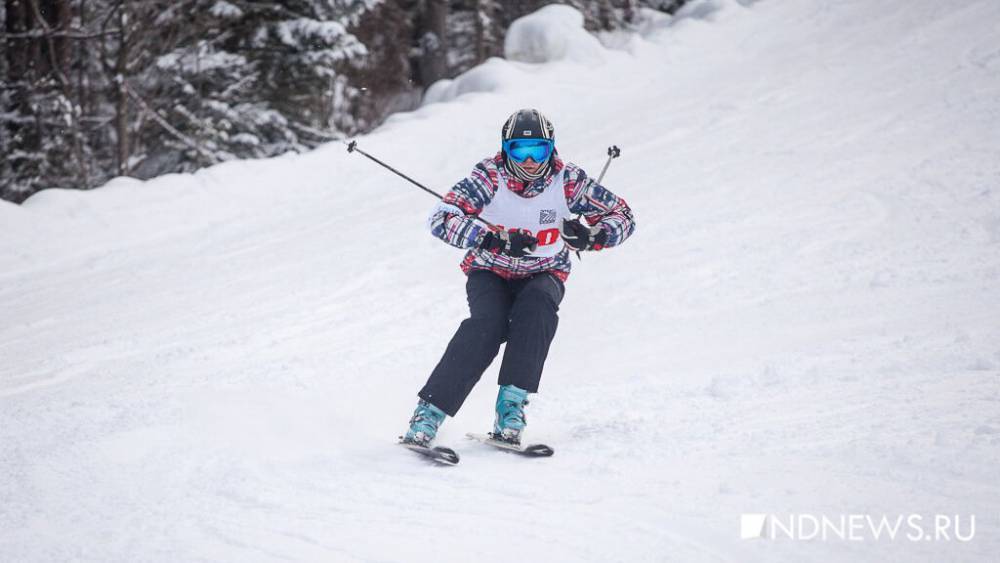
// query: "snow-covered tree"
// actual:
[[90, 89], [256, 78], [43, 137]]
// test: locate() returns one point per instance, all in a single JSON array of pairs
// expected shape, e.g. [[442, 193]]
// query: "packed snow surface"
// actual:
[[215, 366]]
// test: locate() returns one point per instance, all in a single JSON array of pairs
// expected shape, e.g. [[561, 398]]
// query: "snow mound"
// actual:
[[709, 10], [651, 22], [553, 33], [646, 27], [490, 76]]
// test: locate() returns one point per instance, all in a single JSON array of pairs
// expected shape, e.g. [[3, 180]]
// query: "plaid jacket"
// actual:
[[452, 220]]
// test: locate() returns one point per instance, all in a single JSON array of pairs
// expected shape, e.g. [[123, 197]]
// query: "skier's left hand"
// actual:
[[578, 236]]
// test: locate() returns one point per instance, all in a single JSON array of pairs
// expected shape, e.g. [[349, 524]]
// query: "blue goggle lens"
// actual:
[[521, 149]]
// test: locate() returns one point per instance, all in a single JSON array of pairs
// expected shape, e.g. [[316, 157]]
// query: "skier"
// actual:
[[515, 271]]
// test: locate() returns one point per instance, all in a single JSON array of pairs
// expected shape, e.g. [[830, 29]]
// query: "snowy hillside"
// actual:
[[216, 366]]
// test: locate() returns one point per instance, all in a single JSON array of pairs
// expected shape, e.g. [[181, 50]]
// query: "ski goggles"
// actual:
[[520, 150]]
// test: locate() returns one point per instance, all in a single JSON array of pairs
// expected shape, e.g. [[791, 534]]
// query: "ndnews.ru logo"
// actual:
[[859, 527]]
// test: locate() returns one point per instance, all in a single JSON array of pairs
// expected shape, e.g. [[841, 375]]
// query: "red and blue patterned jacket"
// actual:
[[584, 196]]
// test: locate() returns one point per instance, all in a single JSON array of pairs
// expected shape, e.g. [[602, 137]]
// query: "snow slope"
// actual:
[[215, 366]]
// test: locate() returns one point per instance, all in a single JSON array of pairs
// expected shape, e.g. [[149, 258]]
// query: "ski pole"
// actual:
[[613, 153], [353, 147]]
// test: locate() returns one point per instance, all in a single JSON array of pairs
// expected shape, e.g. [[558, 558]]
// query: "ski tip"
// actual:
[[439, 454], [446, 456], [539, 450]]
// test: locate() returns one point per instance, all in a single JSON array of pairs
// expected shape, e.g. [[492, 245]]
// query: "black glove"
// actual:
[[514, 244], [578, 236]]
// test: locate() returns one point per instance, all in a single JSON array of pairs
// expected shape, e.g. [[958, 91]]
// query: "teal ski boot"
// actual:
[[424, 424], [510, 420]]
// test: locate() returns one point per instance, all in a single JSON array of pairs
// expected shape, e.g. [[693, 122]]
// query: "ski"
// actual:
[[438, 454], [530, 450]]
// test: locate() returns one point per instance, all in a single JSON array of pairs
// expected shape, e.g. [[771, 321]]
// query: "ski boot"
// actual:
[[424, 424], [510, 420]]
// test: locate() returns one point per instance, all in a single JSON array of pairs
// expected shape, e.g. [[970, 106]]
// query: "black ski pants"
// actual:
[[521, 312]]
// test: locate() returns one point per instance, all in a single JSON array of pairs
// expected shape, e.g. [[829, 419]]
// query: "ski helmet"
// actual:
[[528, 125]]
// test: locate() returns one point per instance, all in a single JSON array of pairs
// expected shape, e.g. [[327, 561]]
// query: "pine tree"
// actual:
[[45, 145], [257, 79], [96, 88]]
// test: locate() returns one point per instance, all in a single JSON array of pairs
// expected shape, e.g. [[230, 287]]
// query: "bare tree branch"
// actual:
[[69, 34], [188, 141]]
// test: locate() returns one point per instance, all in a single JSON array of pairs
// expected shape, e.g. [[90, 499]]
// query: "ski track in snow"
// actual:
[[215, 366]]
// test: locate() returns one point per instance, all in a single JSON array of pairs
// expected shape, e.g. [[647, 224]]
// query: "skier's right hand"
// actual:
[[515, 244]]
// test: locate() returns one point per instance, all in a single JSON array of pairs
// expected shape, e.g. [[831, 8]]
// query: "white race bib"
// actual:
[[541, 215]]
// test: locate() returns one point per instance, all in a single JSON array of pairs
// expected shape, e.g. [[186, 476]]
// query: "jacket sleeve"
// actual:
[[452, 220], [598, 205]]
